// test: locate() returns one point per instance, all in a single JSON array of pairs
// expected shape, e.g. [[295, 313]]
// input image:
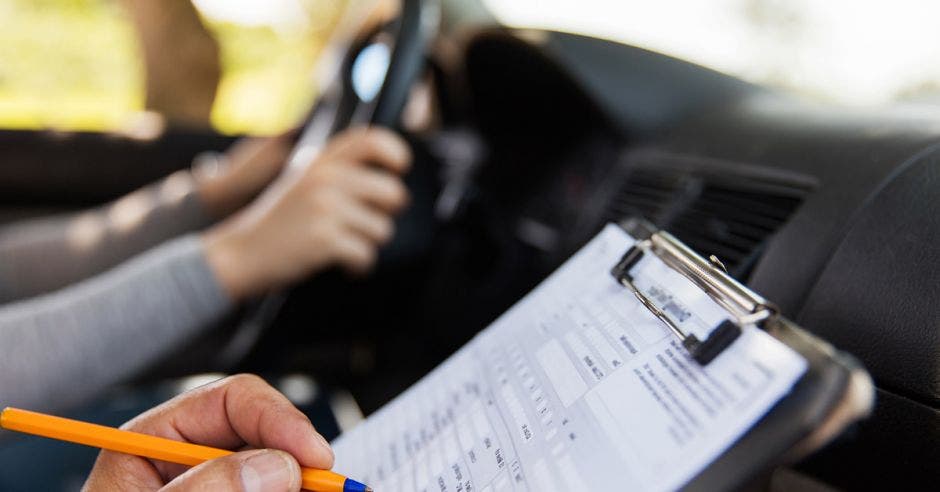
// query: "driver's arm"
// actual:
[[43, 255], [64, 347]]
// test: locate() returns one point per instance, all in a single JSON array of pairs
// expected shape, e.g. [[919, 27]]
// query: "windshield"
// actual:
[[847, 51]]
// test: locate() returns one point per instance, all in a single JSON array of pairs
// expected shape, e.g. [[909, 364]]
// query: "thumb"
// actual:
[[264, 470]]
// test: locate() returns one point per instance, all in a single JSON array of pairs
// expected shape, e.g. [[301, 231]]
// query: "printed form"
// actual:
[[576, 387]]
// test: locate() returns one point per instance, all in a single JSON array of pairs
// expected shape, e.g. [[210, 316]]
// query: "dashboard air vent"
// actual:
[[728, 211]]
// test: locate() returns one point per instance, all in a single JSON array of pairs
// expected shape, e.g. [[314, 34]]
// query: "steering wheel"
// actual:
[[370, 87]]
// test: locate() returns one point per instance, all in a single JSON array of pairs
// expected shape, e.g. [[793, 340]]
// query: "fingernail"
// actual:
[[266, 471], [324, 443]]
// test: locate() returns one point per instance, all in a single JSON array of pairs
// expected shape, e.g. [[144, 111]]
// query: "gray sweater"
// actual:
[[78, 319]]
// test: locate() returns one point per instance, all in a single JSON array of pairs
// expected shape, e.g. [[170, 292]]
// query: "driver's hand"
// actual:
[[239, 412], [337, 211]]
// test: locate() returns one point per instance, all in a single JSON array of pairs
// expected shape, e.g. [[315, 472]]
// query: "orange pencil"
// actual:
[[153, 447]]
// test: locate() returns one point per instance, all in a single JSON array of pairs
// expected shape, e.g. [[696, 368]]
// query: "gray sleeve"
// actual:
[[44, 255], [63, 348]]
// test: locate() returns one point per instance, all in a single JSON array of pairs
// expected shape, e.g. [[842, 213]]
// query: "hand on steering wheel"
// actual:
[[407, 39], [335, 212]]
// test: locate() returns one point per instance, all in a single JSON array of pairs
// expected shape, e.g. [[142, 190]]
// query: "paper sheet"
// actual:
[[576, 387]]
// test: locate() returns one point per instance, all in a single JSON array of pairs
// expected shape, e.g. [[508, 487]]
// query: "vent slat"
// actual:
[[772, 207], [736, 213], [649, 190], [719, 232], [642, 201], [738, 228]]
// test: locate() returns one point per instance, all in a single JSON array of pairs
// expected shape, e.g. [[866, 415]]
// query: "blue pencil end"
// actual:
[[351, 485]]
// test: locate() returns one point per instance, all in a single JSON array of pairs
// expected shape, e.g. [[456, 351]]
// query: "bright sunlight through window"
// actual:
[[858, 52]]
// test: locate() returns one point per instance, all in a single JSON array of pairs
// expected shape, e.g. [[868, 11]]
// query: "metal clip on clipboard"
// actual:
[[743, 305]]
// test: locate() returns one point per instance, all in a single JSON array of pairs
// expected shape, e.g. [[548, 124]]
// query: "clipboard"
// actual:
[[576, 387], [834, 392]]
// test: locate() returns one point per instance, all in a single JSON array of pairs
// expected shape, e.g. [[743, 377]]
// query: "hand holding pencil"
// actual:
[[237, 413]]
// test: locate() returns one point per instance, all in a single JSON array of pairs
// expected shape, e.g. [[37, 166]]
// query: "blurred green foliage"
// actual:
[[68, 64], [267, 74], [76, 65]]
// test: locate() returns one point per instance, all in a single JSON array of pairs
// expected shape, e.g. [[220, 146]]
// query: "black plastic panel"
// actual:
[[878, 295]]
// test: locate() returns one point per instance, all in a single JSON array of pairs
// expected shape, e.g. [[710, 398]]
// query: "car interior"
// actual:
[[536, 139]]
